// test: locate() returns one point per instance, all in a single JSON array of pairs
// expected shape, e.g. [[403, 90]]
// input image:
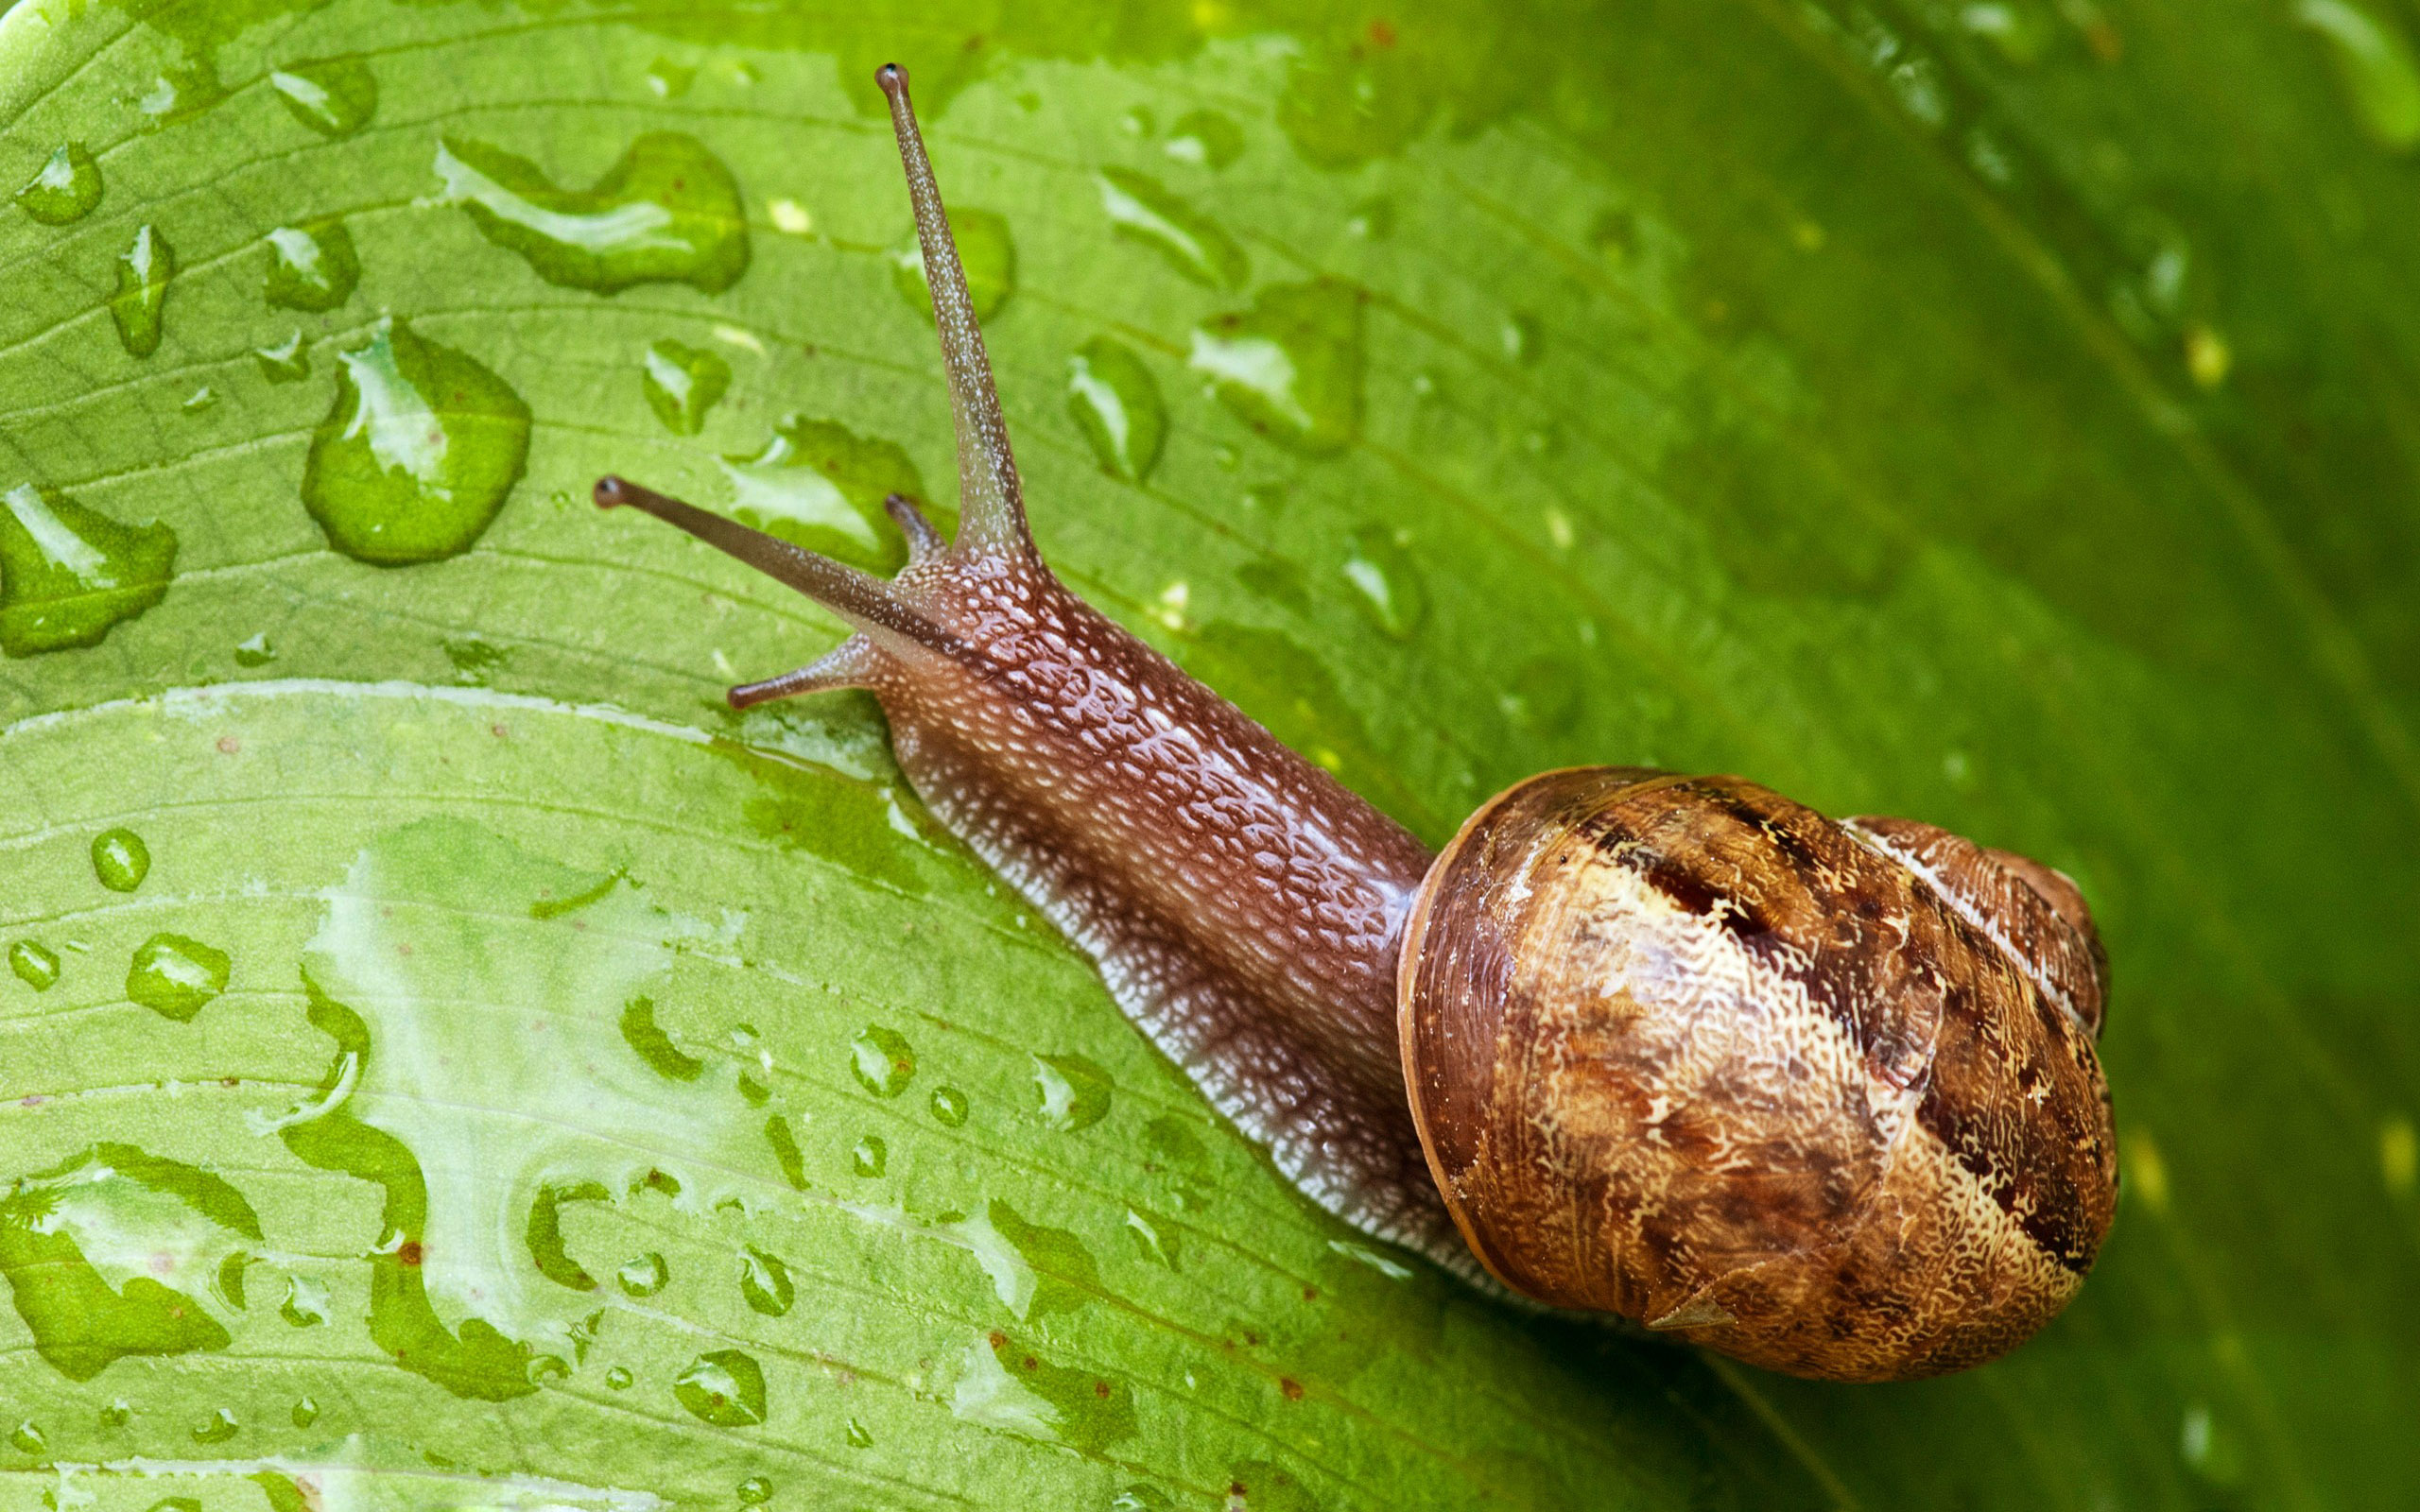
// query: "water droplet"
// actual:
[[255, 651], [68, 573], [785, 1151], [27, 1438], [949, 1106], [1155, 1239], [655, 1047], [1205, 139], [1141, 1499], [1115, 403], [667, 211], [144, 271], [1291, 366], [35, 964], [1138, 121], [790, 219], [1070, 1091], [882, 1061], [175, 975], [618, 1379], [288, 362], [417, 453], [334, 96], [764, 1281], [755, 1490], [65, 189], [1370, 220], [311, 266], [1385, 584], [215, 1429], [858, 1436], [117, 1414], [306, 1412], [681, 384], [645, 1276], [1193, 244], [984, 249], [2207, 357], [306, 1303], [2374, 64], [120, 859], [870, 1158], [200, 400], [668, 80], [819, 484], [724, 1387], [180, 92], [475, 661], [1009, 1387], [1521, 335]]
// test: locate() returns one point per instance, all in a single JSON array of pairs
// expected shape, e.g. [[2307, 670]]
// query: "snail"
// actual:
[[1819, 1095]]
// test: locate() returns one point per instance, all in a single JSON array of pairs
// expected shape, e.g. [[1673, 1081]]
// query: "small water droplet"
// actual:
[[27, 1438], [306, 1411], [334, 96], [668, 80], [176, 975], [870, 1158], [178, 92], [288, 362], [986, 251], [790, 219], [1115, 403], [1070, 1091], [65, 189], [215, 1429], [417, 453], [858, 1437], [949, 1106], [2374, 66], [120, 859], [1387, 585], [255, 650], [618, 1379], [1141, 1499], [681, 384], [724, 1387], [35, 964], [755, 1490], [144, 271], [882, 1061], [200, 400], [1205, 139], [1291, 366], [311, 266], [1140, 210], [765, 1282], [1154, 1240], [1521, 336], [819, 484], [667, 211], [117, 1414], [645, 1276]]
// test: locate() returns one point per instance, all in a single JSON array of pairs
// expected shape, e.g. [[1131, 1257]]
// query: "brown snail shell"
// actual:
[[1684, 1050]]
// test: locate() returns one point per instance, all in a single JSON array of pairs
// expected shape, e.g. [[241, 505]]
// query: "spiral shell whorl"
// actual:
[[1686, 1051]]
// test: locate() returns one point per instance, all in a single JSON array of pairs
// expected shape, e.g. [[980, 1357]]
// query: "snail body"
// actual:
[[1823, 1096]]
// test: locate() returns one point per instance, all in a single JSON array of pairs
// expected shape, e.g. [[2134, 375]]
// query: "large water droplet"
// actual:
[[120, 859], [724, 1387], [176, 975], [984, 249], [819, 484], [65, 189], [2375, 67], [312, 266], [681, 384], [144, 271], [416, 454], [764, 1281], [334, 96], [1070, 1091], [882, 1061], [1291, 366], [1193, 244], [69, 573], [1385, 584], [667, 211], [35, 964], [1205, 139], [1115, 403]]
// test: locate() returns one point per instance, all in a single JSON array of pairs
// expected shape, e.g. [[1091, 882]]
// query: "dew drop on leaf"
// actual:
[[65, 188], [725, 1387], [1115, 403], [858, 1436], [645, 1276], [985, 250], [755, 1490], [1070, 1091], [27, 1438], [1291, 366], [217, 1427], [254, 651], [1205, 139], [1141, 210], [68, 574], [882, 1061], [871, 1157], [765, 1282], [35, 964], [683, 383], [1387, 586], [667, 211], [176, 975], [334, 96], [311, 266], [120, 859], [417, 453], [144, 271], [306, 1303], [618, 1379], [306, 1411], [288, 362], [2374, 64], [819, 484], [949, 1106]]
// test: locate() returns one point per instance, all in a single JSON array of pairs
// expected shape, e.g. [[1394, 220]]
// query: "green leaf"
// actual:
[[1995, 414]]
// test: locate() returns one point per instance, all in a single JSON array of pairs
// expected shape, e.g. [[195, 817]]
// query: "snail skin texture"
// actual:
[[1819, 1095]]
